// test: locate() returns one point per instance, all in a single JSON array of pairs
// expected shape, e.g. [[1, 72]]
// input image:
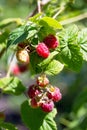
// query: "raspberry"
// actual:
[[23, 67], [47, 106], [22, 56], [33, 91], [42, 50], [34, 103], [51, 41], [15, 70], [54, 94], [19, 68], [42, 81]]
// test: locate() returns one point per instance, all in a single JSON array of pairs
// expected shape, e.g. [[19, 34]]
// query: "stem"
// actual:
[[64, 122], [75, 19], [61, 9], [39, 6], [9, 69], [32, 13], [2, 52]]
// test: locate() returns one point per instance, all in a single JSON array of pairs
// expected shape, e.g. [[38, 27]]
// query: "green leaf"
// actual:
[[54, 67], [72, 57], [34, 61], [82, 41], [18, 35], [35, 18], [47, 60], [7, 126], [80, 100], [3, 36], [44, 31], [70, 50], [9, 21], [39, 64], [11, 85], [36, 119], [51, 22], [69, 35]]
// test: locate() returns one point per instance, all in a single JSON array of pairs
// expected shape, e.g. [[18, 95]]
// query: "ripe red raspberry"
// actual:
[[33, 91], [42, 81], [51, 41], [42, 50], [34, 103], [47, 106], [54, 94], [22, 56]]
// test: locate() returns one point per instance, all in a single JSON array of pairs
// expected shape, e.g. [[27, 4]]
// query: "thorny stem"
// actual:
[[75, 19], [9, 69]]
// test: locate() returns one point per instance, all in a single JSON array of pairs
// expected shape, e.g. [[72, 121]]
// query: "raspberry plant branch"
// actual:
[[62, 8], [39, 6], [74, 19], [47, 47]]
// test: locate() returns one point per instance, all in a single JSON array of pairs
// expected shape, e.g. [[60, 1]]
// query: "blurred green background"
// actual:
[[72, 109]]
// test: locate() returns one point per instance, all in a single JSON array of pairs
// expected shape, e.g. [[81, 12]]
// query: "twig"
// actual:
[[75, 19], [42, 3], [39, 6], [9, 69], [32, 13], [61, 9], [2, 52], [64, 122]]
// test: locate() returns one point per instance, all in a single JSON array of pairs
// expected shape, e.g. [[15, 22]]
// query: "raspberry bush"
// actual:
[[43, 46]]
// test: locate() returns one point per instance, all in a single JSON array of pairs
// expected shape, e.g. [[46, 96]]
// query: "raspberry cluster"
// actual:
[[49, 42], [43, 94]]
